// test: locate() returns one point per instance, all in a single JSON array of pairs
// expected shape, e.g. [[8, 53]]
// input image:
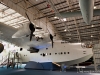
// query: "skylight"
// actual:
[[10, 17]]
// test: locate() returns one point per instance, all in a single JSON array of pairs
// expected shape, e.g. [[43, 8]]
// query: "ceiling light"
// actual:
[[55, 17], [64, 19], [91, 35], [95, 7], [92, 25], [65, 30]]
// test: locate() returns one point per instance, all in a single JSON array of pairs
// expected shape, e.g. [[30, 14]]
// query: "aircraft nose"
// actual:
[[87, 19], [86, 7]]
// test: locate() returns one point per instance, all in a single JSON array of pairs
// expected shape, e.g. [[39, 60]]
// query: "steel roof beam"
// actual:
[[13, 18], [8, 15], [36, 4]]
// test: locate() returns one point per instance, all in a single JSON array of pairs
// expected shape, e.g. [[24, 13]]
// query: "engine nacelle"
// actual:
[[33, 50], [1, 47], [23, 31]]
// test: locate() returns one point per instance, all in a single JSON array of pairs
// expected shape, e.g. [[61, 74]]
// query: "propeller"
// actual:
[[51, 38], [32, 27]]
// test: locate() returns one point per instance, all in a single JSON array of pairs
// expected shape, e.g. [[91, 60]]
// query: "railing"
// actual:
[[10, 58], [4, 62]]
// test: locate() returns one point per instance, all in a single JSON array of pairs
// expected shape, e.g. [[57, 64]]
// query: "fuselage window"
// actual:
[[46, 48], [21, 49], [61, 52], [55, 53], [43, 54], [64, 52], [49, 53], [68, 52]]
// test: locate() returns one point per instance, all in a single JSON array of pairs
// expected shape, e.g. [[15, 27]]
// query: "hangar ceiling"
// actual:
[[72, 29], [11, 17]]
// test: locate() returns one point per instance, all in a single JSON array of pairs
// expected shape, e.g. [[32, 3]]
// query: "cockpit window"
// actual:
[[89, 46], [86, 45]]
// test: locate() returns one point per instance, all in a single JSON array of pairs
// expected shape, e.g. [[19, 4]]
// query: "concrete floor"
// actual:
[[4, 71]]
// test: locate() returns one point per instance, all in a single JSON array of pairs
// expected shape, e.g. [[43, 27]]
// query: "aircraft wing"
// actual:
[[41, 43], [22, 32]]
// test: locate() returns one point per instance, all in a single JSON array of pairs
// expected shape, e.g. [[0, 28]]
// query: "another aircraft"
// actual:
[[87, 11]]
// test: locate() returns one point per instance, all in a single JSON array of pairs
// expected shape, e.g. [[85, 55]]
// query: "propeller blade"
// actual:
[[31, 35], [27, 17], [51, 38], [52, 43], [31, 26]]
